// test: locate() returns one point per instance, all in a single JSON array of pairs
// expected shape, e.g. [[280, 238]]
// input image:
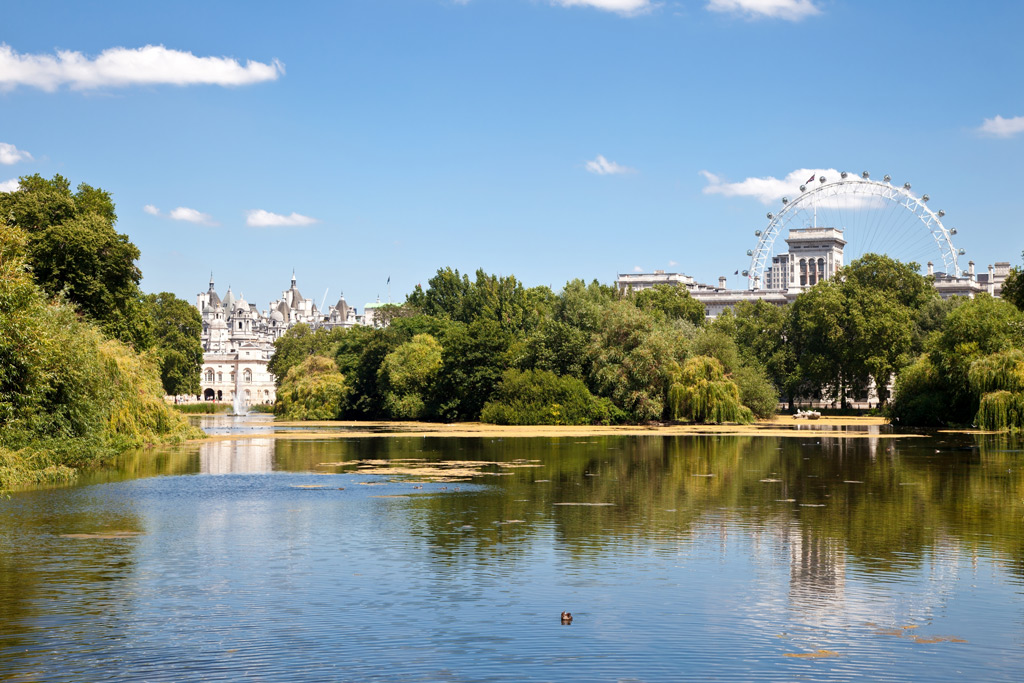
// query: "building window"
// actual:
[[209, 375], [220, 376], [247, 376]]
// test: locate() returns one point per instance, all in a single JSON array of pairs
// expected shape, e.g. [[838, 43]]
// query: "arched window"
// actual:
[[803, 272], [247, 376], [220, 376], [239, 324], [821, 269], [209, 375], [231, 378]]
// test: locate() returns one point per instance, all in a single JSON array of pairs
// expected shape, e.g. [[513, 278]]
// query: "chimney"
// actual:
[[721, 280], [970, 269], [991, 273], [931, 268]]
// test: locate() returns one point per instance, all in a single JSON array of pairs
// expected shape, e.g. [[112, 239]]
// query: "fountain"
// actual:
[[238, 405]]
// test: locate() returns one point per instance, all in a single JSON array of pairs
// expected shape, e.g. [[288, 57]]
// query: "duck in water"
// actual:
[[566, 618]]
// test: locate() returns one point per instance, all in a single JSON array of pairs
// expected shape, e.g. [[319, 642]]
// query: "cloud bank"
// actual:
[[121, 67], [9, 185], [183, 213], [258, 218], [1003, 128], [9, 154], [790, 10], [602, 166]]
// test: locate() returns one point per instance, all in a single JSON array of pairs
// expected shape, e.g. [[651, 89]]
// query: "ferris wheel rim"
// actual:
[[884, 189]]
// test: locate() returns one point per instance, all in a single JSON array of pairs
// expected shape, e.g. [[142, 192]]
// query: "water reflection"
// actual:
[[679, 557]]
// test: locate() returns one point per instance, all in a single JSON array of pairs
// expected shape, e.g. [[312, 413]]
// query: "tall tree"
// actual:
[[74, 251], [177, 328]]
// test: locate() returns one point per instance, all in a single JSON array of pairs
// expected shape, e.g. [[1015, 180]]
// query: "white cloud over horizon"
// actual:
[[766, 190], [151, 210], [9, 185], [790, 10], [259, 218], [1002, 128], [183, 213], [602, 166], [119, 67], [9, 154], [623, 7]]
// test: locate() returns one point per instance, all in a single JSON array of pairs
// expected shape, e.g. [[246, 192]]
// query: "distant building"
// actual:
[[238, 339], [814, 255]]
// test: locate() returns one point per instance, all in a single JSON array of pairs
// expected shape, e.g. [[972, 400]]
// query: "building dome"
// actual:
[[218, 324], [276, 316]]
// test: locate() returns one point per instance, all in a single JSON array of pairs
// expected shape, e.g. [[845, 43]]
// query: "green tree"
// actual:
[[671, 303], [1013, 286], [312, 390], [409, 372], [537, 397], [701, 392], [177, 328], [74, 251]]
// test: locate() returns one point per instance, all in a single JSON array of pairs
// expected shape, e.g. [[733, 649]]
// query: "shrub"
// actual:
[[540, 397], [312, 390]]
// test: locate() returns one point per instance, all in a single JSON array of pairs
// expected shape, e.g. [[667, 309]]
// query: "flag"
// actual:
[[389, 279], [736, 273], [810, 179]]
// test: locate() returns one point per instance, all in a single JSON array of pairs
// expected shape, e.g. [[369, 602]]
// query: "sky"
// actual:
[[359, 141]]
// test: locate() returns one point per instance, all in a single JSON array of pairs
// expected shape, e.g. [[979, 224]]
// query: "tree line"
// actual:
[[85, 356], [489, 348]]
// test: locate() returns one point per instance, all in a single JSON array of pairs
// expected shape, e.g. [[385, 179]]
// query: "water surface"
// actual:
[[681, 558]]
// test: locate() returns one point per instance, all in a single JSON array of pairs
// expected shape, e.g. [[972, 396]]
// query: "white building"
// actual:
[[238, 339]]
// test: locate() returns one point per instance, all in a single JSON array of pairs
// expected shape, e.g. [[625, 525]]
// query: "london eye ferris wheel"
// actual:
[[874, 217]]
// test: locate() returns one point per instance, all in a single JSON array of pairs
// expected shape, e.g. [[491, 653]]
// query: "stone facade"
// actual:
[[238, 339]]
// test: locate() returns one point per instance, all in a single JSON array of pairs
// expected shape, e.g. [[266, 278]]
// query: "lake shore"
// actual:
[[780, 426]]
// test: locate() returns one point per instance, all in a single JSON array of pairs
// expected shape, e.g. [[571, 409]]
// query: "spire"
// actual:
[[211, 280], [293, 277]]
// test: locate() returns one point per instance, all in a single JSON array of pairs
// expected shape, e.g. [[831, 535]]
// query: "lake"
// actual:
[[827, 554]]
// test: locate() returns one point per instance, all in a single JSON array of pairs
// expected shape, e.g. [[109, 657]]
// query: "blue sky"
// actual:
[[550, 139]]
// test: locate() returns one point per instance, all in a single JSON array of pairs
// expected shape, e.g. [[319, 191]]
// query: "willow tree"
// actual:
[[999, 381], [312, 390], [702, 393]]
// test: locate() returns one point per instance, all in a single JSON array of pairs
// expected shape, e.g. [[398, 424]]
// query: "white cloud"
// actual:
[[123, 67], [770, 190], [637, 269], [624, 7], [1003, 128], [791, 10], [672, 264], [183, 213], [602, 166], [9, 154], [9, 185], [258, 218], [151, 210]]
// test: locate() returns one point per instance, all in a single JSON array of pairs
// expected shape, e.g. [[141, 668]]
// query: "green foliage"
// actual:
[[312, 390], [756, 391], [74, 251], [501, 299], [634, 356], [702, 393], [473, 360], [1013, 286], [538, 397], [409, 372], [761, 332], [68, 396], [1002, 371], [899, 281], [177, 327], [671, 303], [1001, 411], [300, 342]]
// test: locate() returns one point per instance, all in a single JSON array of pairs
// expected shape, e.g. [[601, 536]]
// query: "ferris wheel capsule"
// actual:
[[906, 186], [843, 175], [887, 177], [803, 188], [925, 198], [961, 252], [865, 175], [746, 273], [785, 200], [770, 215], [952, 231], [821, 179], [750, 252], [941, 213], [757, 233]]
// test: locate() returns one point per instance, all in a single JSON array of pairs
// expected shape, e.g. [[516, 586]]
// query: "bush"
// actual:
[[540, 397], [921, 397], [756, 390]]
